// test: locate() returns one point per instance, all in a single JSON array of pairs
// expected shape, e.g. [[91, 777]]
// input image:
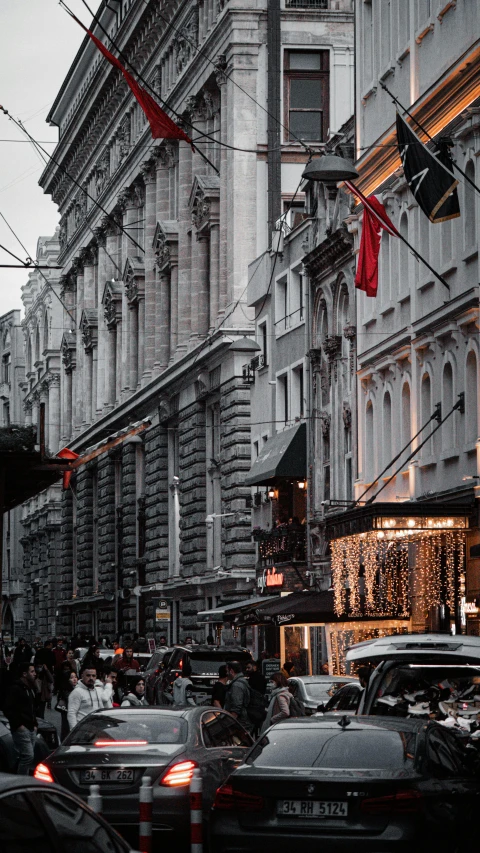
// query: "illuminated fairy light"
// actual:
[[398, 565]]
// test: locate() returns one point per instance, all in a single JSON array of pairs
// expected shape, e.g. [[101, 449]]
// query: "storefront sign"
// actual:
[[270, 578], [162, 611], [270, 666]]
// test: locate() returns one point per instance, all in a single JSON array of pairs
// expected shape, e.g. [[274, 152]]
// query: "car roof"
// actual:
[[180, 711], [324, 679], [213, 650], [429, 647], [357, 723]]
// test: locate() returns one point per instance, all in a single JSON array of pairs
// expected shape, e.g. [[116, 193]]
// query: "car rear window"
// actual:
[[348, 749], [150, 728], [320, 689], [209, 664]]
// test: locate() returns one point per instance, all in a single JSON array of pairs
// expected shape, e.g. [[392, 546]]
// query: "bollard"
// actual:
[[146, 808], [95, 799], [196, 812]]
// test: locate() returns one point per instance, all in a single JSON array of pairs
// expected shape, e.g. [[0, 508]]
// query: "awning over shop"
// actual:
[[229, 611], [284, 456], [414, 516], [297, 608]]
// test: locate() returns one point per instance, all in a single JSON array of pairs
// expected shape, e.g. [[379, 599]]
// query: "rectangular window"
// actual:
[[297, 393], [296, 297], [263, 341], [282, 398], [294, 211], [306, 81], [7, 362], [95, 531], [281, 306]]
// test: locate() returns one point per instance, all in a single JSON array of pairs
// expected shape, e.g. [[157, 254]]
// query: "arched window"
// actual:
[[37, 344], [387, 429], [447, 403], [323, 323], [470, 200], [406, 415], [369, 443], [471, 398], [426, 401], [45, 332], [28, 355], [403, 252], [384, 268]]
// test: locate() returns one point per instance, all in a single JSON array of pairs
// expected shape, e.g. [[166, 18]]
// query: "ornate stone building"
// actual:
[[43, 325], [12, 377], [155, 244]]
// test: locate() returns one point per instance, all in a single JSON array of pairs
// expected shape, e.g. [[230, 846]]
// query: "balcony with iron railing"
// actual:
[[283, 544]]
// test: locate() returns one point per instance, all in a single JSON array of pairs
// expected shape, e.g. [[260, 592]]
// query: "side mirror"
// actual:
[[321, 708]]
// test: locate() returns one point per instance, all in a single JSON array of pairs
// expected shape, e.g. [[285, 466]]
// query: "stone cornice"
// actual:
[[330, 255]]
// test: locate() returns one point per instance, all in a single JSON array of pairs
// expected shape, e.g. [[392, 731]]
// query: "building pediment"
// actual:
[[165, 243], [134, 279], [89, 328], [204, 201], [112, 302]]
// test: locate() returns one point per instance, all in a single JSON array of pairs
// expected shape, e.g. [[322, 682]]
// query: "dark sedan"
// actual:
[[46, 819], [117, 748], [362, 784]]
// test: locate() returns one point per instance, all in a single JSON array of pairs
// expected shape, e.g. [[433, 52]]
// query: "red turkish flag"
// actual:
[[66, 453], [375, 218], [161, 124]]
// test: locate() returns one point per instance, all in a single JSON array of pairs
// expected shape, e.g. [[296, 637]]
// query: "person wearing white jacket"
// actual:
[[89, 695]]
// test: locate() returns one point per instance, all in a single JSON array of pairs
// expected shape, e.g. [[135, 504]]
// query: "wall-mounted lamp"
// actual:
[[272, 494], [302, 484]]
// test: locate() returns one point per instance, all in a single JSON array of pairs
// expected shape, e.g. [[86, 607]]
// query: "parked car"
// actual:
[[117, 748], [46, 819], [45, 742], [420, 674], [361, 783], [313, 690], [344, 701], [203, 663], [153, 670]]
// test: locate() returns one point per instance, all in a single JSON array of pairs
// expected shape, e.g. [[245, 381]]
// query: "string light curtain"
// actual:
[[371, 571]]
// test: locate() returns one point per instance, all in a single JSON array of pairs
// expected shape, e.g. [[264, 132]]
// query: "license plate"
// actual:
[[100, 774], [312, 808]]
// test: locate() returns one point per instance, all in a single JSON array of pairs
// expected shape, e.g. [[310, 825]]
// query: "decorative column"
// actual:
[[166, 251], [125, 204], [88, 325], [78, 413], [99, 365], [27, 408], [69, 360], [173, 310], [184, 229], [54, 413], [200, 310], [112, 310], [214, 274], [205, 218], [220, 68], [147, 327]]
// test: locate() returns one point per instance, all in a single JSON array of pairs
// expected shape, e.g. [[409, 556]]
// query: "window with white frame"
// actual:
[[306, 94], [281, 305], [296, 296], [262, 339], [282, 399], [298, 392]]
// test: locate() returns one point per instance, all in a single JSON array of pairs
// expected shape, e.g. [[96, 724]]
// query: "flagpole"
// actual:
[[454, 164], [140, 77], [404, 240]]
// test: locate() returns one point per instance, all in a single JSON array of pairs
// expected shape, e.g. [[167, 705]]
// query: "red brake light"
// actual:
[[43, 773], [227, 799], [179, 774], [403, 802], [121, 743]]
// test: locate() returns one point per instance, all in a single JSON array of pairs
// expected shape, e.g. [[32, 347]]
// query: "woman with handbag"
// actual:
[[69, 682]]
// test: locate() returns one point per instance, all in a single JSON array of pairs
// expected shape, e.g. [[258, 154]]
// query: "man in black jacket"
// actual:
[[20, 712]]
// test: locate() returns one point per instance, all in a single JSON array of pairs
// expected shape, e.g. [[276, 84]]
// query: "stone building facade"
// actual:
[[155, 245], [43, 324], [417, 342], [12, 367]]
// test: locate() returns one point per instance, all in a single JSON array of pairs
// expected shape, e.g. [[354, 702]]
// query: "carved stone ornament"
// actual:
[[68, 350], [138, 194], [124, 198], [326, 421], [63, 234], [134, 278], [204, 201], [102, 173], [165, 244], [164, 410], [124, 138], [347, 416], [148, 170], [186, 41], [89, 329], [332, 346], [100, 235], [112, 303], [315, 356], [220, 64], [350, 333]]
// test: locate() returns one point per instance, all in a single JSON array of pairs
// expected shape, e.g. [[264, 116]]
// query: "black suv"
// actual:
[[202, 663]]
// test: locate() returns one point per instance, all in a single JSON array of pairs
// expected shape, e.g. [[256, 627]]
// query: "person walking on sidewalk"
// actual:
[[88, 696], [237, 697], [20, 713]]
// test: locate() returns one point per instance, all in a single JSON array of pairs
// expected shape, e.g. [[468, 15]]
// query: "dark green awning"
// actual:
[[284, 456]]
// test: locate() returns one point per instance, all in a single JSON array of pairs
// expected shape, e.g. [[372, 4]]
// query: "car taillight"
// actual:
[[403, 802], [43, 773], [179, 774], [227, 799]]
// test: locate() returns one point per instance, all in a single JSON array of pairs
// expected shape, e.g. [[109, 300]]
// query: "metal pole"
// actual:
[[196, 812], [146, 810], [94, 799]]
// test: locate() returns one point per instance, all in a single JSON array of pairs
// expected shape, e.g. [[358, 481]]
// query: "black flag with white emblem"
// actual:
[[428, 175]]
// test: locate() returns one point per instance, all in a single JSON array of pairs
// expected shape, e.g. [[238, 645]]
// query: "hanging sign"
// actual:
[[270, 578]]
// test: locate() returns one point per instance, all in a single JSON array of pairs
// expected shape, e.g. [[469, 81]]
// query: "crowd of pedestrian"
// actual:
[[49, 675]]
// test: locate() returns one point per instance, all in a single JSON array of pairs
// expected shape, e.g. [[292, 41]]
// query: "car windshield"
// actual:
[[208, 664], [417, 690], [154, 661], [129, 728], [354, 749], [322, 689]]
